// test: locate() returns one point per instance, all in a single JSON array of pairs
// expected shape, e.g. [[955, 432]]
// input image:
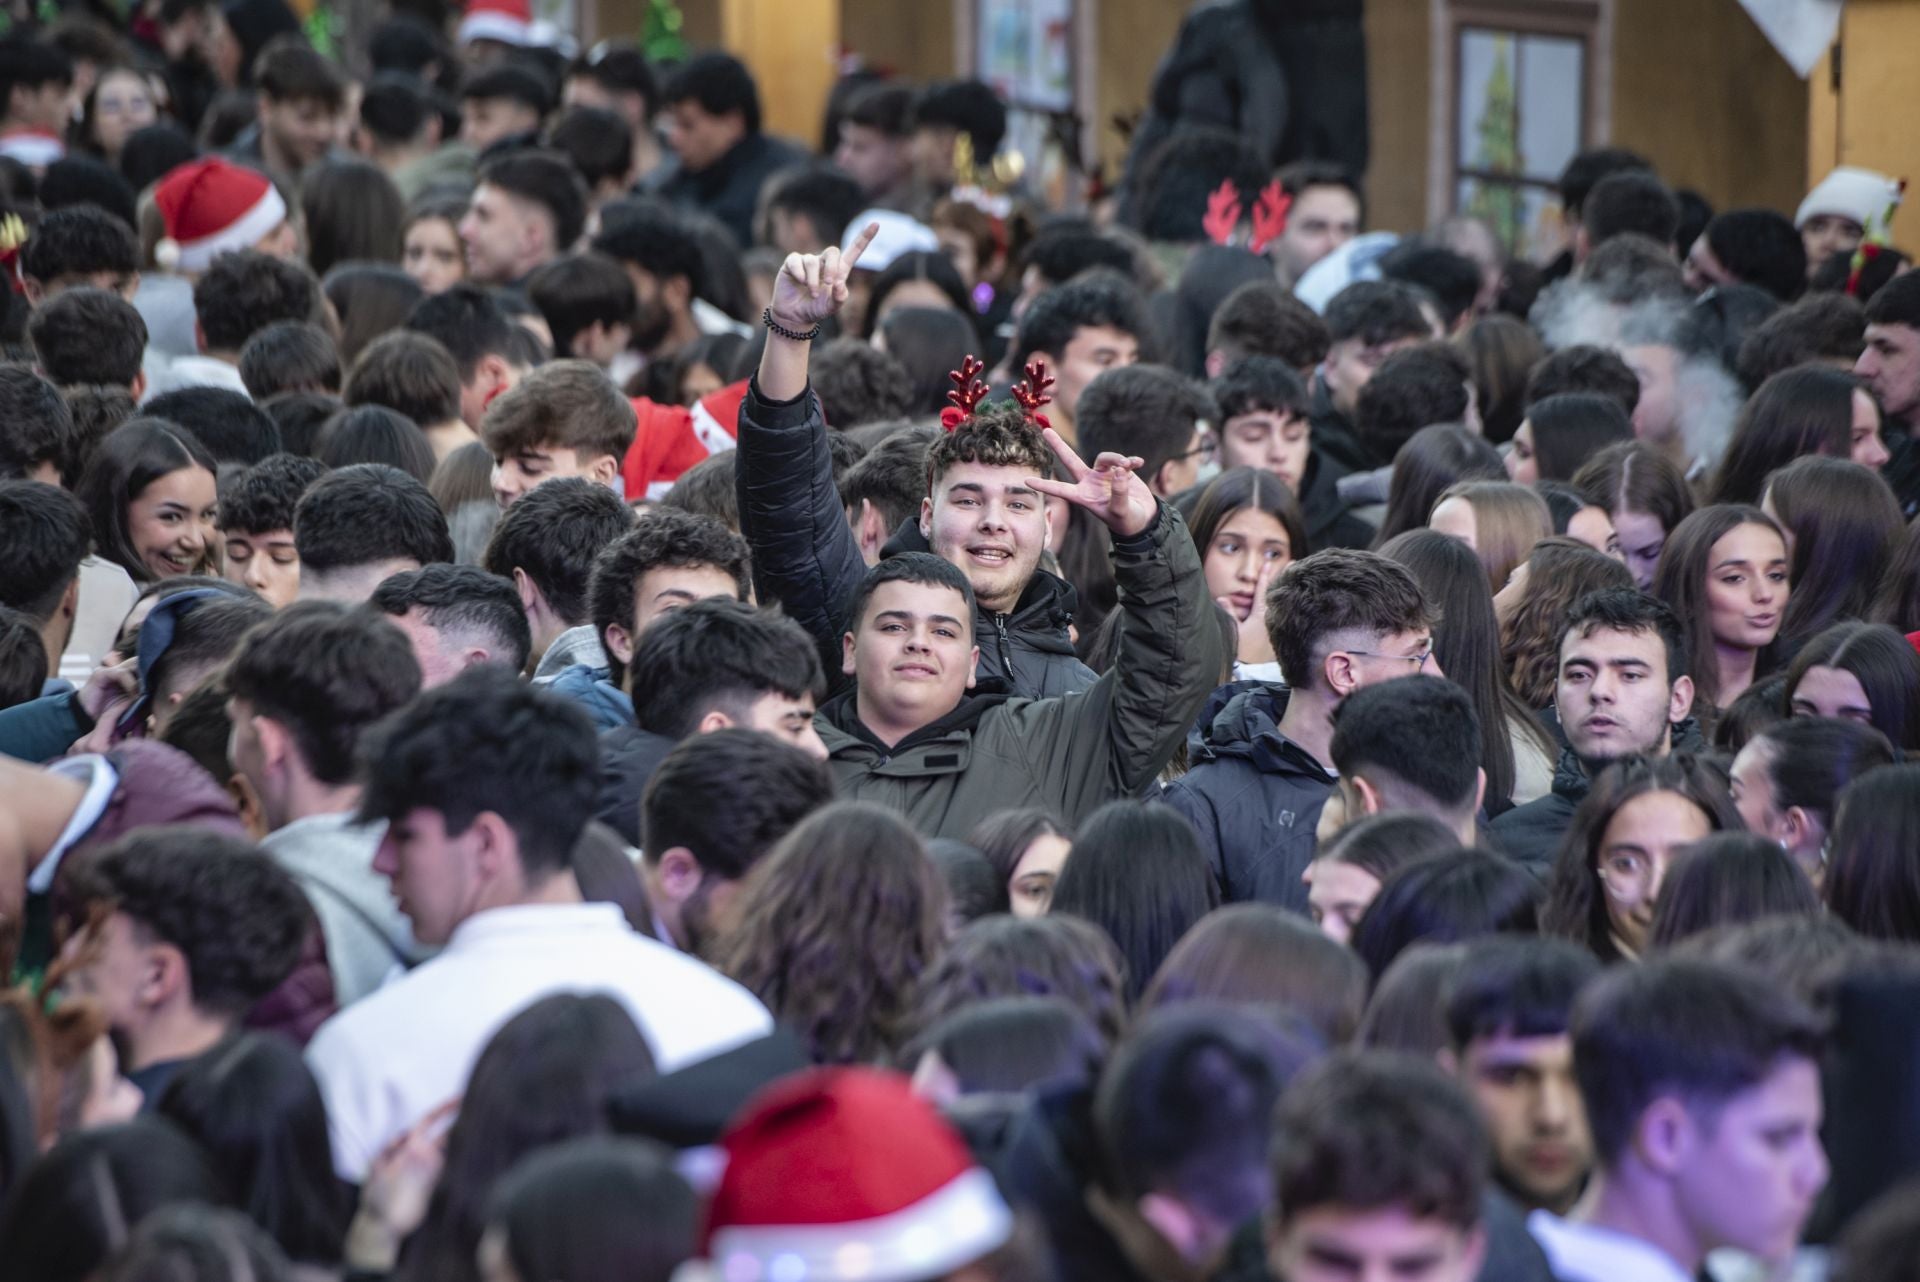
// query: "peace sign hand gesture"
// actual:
[[812, 287], [1111, 489]]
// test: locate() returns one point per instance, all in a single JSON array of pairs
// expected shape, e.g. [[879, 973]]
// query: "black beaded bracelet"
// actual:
[[792, 335]]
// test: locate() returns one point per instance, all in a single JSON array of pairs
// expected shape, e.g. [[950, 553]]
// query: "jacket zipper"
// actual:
[[1006, 645]]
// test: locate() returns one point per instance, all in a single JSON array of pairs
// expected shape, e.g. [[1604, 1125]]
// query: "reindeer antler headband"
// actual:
[[968, 391]]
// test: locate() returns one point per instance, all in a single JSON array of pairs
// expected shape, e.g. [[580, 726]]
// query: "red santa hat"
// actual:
[[508, 21], [213, 207], [844, 1175]]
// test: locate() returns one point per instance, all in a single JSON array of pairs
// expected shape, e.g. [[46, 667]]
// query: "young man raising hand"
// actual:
[[910, 735]]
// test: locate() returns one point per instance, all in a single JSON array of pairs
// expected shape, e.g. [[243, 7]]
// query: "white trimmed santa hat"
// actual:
[[1857, 195], [508, 21], [213, 207], [844, 1175]]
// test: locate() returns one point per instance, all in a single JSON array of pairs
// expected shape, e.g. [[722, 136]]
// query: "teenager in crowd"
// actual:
[[1864, 672], [1842, 527], [1787, 779], [1646, 496], [1725, 571]]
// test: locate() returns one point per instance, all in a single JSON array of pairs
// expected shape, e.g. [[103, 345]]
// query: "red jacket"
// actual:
[[672, 438]]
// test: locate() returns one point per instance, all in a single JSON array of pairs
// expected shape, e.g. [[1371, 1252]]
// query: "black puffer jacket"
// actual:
[[805, 557], [1253, 796]]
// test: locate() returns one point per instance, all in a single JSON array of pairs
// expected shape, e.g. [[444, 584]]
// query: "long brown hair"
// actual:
[[837, 928], [1560, 571]]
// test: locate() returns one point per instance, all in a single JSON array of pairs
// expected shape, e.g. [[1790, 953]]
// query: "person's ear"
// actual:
[[494, 847], [70, 600], [139, 386], [926, 517], [1663, 1138], [1159, 484], [677, 291], [275, 742], [1479, 788], [1216, 364], [847, 650], [35, 291], [163, 975], [619, 643], [199, 337], [1582, 244], [531, 597], [1337, 670], [1174, 1221], [678, 875], [604, 469], [1798, 828], [1371, 802], [1680, 703], [715, 720], [973, 667], [247, 802]]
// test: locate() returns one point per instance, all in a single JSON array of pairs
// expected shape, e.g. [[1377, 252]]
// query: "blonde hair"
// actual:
[[1508, 520]]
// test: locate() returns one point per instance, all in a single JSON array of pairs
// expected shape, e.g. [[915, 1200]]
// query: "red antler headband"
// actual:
[[968, 391], [1031, 392]]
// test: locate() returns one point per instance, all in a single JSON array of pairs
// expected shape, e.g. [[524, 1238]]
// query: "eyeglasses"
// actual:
[[1207, 448], [1419, 661]]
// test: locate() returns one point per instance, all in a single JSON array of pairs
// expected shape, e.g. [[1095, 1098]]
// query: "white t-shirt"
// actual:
[[395, 1056]]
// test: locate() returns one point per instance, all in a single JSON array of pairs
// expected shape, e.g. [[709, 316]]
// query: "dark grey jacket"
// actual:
[[805, 557], [1253, 796]]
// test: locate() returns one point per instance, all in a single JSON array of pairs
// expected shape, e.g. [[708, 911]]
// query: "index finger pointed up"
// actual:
[[1068, 456], [851, 255]]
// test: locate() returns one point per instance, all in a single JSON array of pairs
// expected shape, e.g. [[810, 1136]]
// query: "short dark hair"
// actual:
[[1822, 326], [23, 658], [96, 411], [1584, 367], [707, 488], [462, 598], [237, 918], [770, 786], [825, 196], [375, 434], [395, 107], [75, 180], [1375, 312], [1262, 319], [970, 107], [365, 513], [1896, 303], [1424, 733], [233, 429], [649, 234], [1337, 590], [664, 536], [1701, 1031], [566, 404], [598, 143], [327, 673], [1511, 986], [1570, 428], [1462, 894], [720, 83], [1726, 879], [1630, 610], [1097, 299], [89, 336], [291, 70], [1366, 1131], [26, 60], [244, 292], [858, 385], [716, 653], [408, 372], [514, 82], [892, 476], [47, 535], [487, 743], [1185, 1104], [1450, 278], [548, 179], [1416, 387], [1062, 253], [1257, 384], [262, 498], [468, 323], [1588, 167], [206, 633], [1630, 200], [80, 240], [619, 66], [886, 106], [1760, 247], [1144, 410], [577, 290], [290, 356], [553, 534], [1314, 172], [39, 424], [300, 417]]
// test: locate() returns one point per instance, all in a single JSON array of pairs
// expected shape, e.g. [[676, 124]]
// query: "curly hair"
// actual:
[[838, 927], [1560, 571], [998, 435]]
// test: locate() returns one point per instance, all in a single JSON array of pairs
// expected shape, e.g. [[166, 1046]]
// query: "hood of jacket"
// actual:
[[1242, 721], [843, 732], [1570, 777], [1040, 616], [608, 705]]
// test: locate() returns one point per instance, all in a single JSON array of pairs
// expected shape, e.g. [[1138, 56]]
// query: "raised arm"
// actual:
[[804, 554]]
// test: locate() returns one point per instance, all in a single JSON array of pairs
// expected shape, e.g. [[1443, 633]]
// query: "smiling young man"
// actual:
[[979, 513], [909, 734], [1622, 690], [1507, 1019], [1702, 1087]]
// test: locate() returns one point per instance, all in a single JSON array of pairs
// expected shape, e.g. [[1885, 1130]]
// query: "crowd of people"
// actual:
[[591, 692]]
